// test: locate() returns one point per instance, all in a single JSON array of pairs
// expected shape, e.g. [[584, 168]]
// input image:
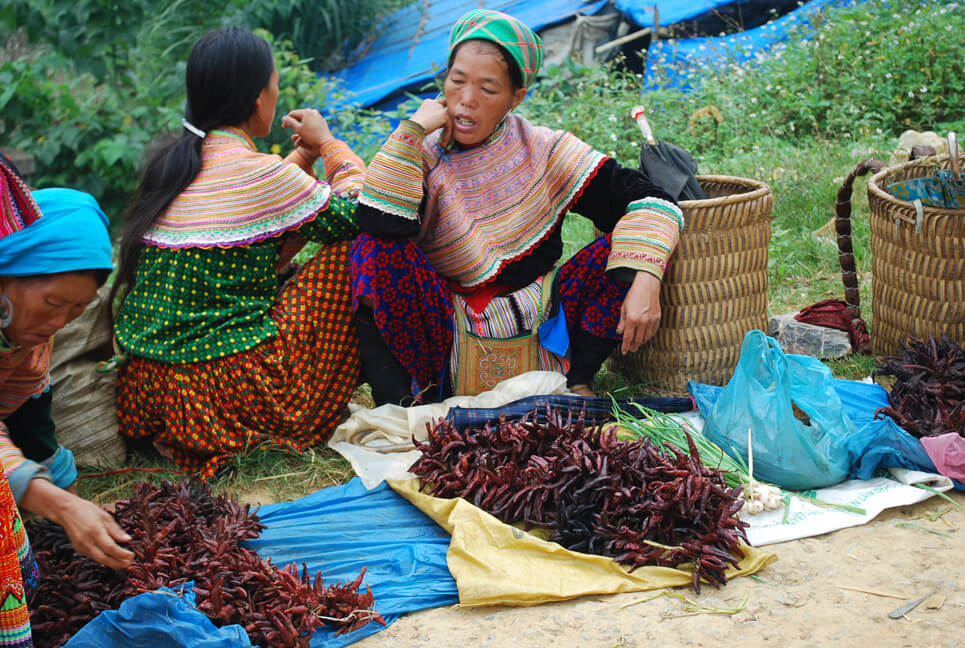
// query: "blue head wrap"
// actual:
[[71, 235]]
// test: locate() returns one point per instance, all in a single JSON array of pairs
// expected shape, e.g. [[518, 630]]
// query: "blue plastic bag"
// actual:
[[878, 443], [161, 619], [761, 396]]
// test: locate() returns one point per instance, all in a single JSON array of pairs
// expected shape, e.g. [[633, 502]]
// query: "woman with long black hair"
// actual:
[[221, 356]]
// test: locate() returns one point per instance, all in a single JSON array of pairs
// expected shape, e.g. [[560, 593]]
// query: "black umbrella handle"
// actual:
[[842, 225]]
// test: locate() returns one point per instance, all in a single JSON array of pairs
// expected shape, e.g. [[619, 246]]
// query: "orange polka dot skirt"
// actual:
[[288, 391]]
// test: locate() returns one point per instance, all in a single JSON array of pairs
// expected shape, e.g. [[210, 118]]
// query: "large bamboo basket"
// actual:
[[714, 291], [918, 268]]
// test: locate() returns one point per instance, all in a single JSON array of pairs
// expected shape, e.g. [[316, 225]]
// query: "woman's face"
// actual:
[[44, 305], [479, 92], [265, 108]]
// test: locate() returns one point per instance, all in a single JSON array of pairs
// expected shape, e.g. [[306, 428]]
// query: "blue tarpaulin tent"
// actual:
[[415, 41], [748, 13], [640, 12], [673, 63]]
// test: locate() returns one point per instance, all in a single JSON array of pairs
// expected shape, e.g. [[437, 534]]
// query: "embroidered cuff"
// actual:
[[646, 236], [393, 181], [344, 170]]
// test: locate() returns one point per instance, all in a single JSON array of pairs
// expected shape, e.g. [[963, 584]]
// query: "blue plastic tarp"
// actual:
[[340, 530], [677, 63], [337, 531], [640, 12], [414, 47]]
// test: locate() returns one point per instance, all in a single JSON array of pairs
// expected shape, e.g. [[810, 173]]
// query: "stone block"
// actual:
[[808, 339], [23, 161]]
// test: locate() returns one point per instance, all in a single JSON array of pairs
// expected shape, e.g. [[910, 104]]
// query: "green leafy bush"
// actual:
[[82, 132], [101, 81], [877, 68]]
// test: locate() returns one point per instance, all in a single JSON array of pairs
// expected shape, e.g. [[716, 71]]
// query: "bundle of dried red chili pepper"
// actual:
[[181, 532], [623, 499], [928, 397]]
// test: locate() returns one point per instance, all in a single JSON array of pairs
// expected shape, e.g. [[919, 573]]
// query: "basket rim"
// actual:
[[759, 190], [882, 194]]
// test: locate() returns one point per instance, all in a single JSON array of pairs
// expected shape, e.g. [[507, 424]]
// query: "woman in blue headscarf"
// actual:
[[54, 254]]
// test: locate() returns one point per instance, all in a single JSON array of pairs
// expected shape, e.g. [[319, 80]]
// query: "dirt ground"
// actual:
[[800, 600]]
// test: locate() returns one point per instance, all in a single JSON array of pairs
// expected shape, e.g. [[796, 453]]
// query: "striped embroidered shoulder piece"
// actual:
[[492, 204], [239, 197]]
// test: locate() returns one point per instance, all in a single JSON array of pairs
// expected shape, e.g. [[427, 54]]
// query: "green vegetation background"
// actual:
[[86, 85]]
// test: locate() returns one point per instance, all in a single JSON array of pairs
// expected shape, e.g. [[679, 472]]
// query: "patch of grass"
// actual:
[[852, 367], [608, 381], [105, 486], [262, 475], [272, 474]]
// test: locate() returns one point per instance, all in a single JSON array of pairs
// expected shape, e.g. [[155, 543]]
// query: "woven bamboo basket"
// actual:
[[714, 291], [917, 264]]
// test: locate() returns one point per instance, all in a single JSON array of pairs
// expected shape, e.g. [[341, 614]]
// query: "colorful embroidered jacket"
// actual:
[[206, 277], [493, 213], [18, 574]]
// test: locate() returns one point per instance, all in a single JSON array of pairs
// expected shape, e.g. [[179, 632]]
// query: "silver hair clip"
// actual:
[[191, 127]]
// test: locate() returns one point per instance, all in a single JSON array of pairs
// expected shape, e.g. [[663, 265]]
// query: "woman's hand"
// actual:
[[433, 115], [640, 314], [92, 530], [311, 129]]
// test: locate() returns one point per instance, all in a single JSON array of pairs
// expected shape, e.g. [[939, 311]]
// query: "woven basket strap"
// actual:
[[842, 225]]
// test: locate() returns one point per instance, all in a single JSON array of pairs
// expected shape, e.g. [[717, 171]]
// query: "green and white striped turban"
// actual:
[[520, 41]]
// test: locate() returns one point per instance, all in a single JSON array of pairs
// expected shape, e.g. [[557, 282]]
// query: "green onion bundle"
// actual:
[[663, 430]]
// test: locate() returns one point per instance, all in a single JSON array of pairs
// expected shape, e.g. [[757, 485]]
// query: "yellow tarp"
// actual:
[[497, 564]]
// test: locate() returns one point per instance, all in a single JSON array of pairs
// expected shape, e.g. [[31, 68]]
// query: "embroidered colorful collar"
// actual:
[[239, 197]]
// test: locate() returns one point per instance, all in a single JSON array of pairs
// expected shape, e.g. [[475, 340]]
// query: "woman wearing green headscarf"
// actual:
[[461, 214]]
